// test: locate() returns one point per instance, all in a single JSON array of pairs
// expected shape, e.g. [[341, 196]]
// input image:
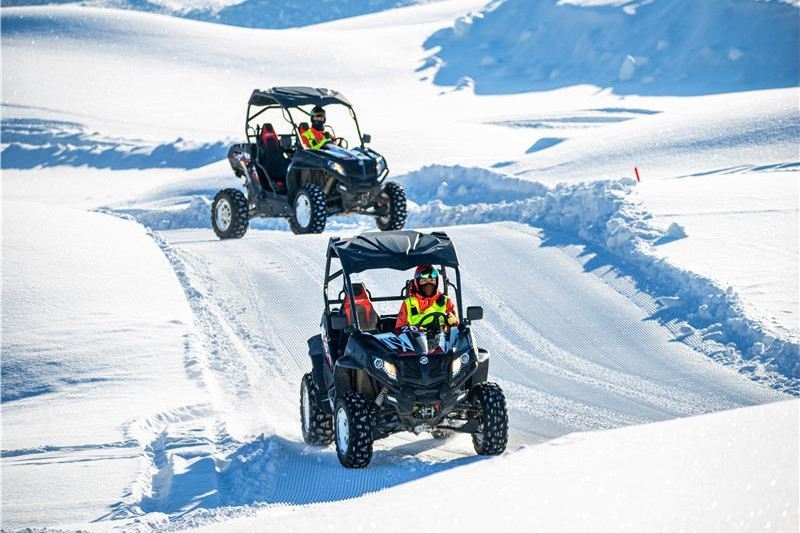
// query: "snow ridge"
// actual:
[[603, 214], [28, 143]]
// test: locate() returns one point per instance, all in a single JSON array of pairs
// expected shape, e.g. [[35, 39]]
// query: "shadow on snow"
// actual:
[[31, 143]]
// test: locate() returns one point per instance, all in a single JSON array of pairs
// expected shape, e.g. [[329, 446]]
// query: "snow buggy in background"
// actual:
[[369, 380], [305, 186]]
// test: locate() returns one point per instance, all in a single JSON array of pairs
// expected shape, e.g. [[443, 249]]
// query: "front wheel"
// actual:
[[310, 210], [492, 435], [391, 206], [353, 431], [229, 214], [316, 424]]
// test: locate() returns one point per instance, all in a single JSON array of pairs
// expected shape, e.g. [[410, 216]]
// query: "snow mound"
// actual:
[[29, 143], [603, 214], [658, 47], [462, 186]]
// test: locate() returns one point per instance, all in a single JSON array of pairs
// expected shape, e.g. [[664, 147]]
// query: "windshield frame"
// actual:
[[251, 134]]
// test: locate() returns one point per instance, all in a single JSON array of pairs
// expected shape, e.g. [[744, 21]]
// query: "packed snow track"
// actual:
[[574, 346]]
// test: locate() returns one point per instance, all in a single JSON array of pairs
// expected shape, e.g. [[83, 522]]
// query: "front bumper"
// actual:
[[426, 394]]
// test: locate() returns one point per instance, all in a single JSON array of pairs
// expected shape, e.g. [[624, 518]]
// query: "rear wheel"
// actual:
[[492, 435], [317, 425], [310, 210], [229, 214], [391, 202], [353, 431]]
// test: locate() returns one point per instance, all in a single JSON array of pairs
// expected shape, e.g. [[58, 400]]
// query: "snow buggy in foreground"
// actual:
[[369, 380], [305, 186]]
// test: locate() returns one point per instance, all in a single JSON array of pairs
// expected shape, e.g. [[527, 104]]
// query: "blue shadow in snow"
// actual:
[[669, 47], [35, 142], [276, 470], [543, 144]]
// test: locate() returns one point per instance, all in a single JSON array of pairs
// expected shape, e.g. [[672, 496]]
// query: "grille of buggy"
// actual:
[[354, 168], [434, 372]]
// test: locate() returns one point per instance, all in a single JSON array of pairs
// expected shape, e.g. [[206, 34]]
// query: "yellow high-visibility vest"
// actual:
[[312, 140], [415, 316]]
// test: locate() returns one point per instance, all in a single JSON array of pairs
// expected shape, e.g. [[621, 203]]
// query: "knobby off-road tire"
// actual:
[[316, 424], [492, 437], [310, 210], [353, 431], [229, 214], [394, 195]]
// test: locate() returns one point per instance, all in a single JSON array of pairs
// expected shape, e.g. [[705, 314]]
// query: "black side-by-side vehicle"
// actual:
[[370, 379], [284, 179]]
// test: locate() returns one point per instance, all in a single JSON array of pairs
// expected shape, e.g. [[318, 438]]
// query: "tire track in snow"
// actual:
[[567, 346], [254, 318], [596, 350]]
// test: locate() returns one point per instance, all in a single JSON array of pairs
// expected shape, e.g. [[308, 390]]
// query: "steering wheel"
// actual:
[[433, 326], [341, 142]]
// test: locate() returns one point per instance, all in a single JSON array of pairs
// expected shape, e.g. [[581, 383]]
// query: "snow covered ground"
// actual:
[[730, 477], [88, 304], [150, 374]]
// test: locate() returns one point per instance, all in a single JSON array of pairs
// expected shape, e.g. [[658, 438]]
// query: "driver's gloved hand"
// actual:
[[452, 320]]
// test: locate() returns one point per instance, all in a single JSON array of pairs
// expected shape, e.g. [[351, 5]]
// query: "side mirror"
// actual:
[[474, 312], [338, 322], [366, 138]]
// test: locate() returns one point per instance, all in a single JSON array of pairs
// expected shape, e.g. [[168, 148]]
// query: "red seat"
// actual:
[[271, 156], [368, 318]]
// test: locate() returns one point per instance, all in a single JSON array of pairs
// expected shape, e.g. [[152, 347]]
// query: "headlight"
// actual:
[[380, 165], [388, 368], [458, 363], [337, 167]]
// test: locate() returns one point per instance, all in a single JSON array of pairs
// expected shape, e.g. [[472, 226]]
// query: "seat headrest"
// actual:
[[268, 134], [359, 289], [303, 127]]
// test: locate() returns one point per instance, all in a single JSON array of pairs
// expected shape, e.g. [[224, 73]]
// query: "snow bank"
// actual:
[[658, 47], [457, 185], [730, 471], [95, 336], [603, 214]]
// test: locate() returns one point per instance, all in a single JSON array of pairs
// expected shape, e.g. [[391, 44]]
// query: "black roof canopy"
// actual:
[[297, 96], [398, 250]]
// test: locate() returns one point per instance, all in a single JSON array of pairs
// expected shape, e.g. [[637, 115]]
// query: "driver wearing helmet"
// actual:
[[316, 137], [425, 298]]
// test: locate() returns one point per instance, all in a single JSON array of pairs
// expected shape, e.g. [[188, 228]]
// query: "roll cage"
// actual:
[[396, 250], [288, 98]]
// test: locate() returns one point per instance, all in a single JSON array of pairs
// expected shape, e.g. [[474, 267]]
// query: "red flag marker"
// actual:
[[635, 169]]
